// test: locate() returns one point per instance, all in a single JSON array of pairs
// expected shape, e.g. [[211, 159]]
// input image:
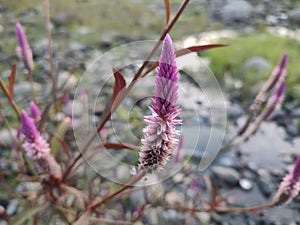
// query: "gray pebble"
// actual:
[[245, 184], [229, 175]]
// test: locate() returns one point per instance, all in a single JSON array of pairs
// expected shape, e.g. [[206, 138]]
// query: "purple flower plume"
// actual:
[[160, 133], [279, 73], [275, 101], [289, 187], [23, 49], [35, 112], [36, 147]]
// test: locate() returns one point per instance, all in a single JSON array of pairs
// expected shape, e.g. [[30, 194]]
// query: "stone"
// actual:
[[294, 15], [256, 65], [204, 217], [234, 111], [6, 136], [12, 207], [226, 174], [295, 112], [264, 187], [236, 11], [65, 19], [123, 173], [23, 90], [174, 198], [245, 184], [292, 130], [67, 81]]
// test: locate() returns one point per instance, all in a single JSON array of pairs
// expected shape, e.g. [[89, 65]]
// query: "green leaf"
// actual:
[[59, 134], [25, 215]]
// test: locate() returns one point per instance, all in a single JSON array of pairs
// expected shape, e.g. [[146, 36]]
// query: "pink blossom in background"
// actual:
[[23, 49]]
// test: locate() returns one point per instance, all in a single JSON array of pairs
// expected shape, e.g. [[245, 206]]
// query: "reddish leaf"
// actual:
[[167, 7], [197, 48], [118, 146], [152, 67], [11, 80], [120, 84], [181, 52]]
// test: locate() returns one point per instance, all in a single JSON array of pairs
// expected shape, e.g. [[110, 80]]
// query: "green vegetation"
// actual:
[[128, 18], [271, 48]]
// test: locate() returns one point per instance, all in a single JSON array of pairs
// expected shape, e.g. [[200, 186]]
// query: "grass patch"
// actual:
[[257, 44]]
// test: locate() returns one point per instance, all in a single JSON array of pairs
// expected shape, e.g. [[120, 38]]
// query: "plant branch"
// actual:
[[52, 75], [10, 99]]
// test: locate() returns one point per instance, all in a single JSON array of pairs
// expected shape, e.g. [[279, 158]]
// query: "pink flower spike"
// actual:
[[37, 148], [23, 49], [35, 112], [28, 128], [275, 101], [289, 187], [279, 73], [283, 62], [159, 140], [296, 171]]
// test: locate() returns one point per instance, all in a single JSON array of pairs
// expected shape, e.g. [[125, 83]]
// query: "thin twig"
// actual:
[[123, 188], [220, 209], [29, 74], [49, 37]]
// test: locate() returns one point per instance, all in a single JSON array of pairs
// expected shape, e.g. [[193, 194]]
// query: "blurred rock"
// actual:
[[173, 198], [228, 175], [123, 173], [294, 15], [7, 137], [23, 90], [264, 182], [67, 81], [65, 19], [255, 65], [236, 11], [245, 184]]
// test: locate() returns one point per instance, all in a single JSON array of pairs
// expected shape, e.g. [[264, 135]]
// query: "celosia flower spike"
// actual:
[[289, 187], [275, 101], [28, 128], [279, 73], [159, 140], [23, 49], [37, 148], [35, 112]]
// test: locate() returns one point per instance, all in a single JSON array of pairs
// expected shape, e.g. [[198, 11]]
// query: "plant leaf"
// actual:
[[58, 137], [118, 146], [181, 52], [11, 80], [120, 84], [197, 48], [44, 116], [26, 214], [83, 219], [167, 7]]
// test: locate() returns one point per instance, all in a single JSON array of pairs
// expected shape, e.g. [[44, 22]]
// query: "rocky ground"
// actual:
[[247, 175]]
